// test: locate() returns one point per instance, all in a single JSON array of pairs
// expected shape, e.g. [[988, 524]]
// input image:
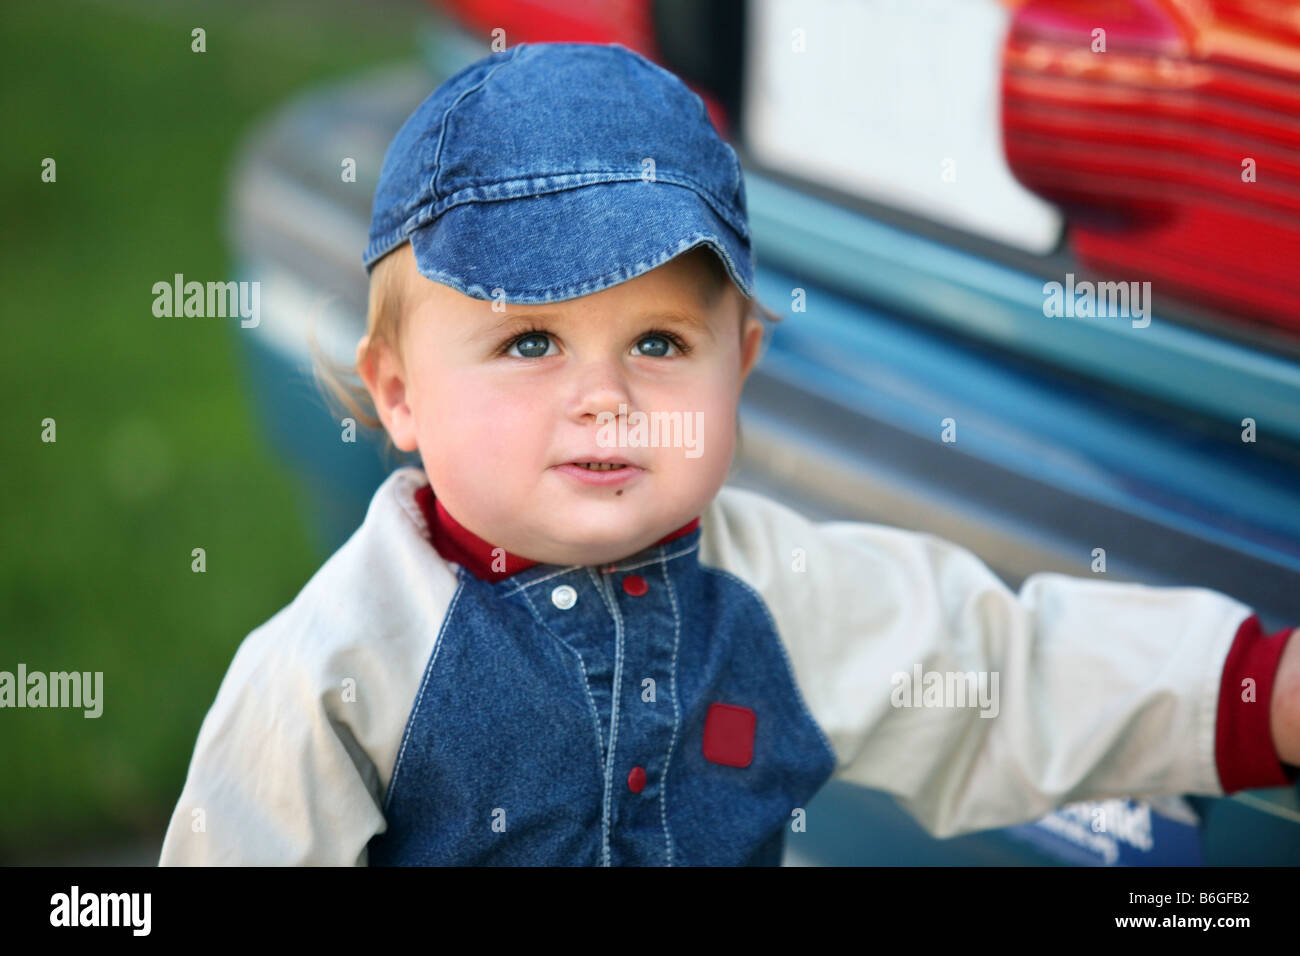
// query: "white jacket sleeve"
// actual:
[[277, 777], [294, 757], [1092, 688]]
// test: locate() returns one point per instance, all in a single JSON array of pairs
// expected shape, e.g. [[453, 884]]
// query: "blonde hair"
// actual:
[[341, 385]]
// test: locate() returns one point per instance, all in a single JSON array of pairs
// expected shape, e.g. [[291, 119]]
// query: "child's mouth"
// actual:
[[601, 473]]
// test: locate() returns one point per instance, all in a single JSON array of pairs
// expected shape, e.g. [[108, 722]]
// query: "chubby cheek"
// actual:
[[719, 439], [701, 467], [478, 443]]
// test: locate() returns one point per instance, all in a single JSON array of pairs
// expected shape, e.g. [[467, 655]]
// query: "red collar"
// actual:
[[456, 543]]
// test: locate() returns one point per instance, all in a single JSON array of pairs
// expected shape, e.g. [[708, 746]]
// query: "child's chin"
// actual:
[[605, 544]]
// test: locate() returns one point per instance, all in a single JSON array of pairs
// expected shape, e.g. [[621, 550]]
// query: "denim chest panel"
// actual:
[[561, 720]]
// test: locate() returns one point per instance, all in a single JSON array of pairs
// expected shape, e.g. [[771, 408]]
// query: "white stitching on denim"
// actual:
[[780, 643], [586, 682], [665, 557], [613, 709], [428, 671], [520, 587], [677, 714]]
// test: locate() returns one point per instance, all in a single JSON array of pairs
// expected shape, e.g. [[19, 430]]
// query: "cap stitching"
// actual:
[[725, 211], [442, 123]]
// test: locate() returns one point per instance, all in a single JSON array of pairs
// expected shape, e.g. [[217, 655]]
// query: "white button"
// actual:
[[564, 597]]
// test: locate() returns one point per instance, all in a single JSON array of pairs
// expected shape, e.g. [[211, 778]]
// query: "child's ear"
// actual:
[[385, 379], [751, 340]]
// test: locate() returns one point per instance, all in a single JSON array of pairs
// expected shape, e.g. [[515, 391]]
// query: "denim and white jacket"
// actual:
[[683, 705]]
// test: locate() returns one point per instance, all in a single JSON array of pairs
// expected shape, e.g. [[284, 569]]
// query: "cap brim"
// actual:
[[575, 242]]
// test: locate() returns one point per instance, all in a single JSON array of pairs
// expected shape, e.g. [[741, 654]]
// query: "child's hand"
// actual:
[[1284, 710]]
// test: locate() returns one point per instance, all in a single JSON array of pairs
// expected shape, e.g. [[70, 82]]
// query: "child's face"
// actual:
[[498, 415]]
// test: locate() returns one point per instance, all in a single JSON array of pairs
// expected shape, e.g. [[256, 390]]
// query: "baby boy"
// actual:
[[561, 642]]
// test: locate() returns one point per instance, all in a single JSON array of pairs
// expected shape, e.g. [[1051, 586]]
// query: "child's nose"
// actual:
[[600, 387]]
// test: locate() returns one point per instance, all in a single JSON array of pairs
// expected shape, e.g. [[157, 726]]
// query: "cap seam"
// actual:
[[442, 124], [451, 200]]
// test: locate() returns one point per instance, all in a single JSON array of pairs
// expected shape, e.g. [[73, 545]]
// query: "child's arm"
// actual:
[[1091, 688], [277, 777], [295, 756]]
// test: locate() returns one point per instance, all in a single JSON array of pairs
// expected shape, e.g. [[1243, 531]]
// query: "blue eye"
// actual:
[[660, 348], [530, 345]]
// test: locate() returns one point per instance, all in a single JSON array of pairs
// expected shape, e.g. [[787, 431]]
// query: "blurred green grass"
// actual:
[[158, 448]]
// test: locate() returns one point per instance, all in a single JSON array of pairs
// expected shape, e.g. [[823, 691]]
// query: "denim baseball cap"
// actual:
[[554, 170]]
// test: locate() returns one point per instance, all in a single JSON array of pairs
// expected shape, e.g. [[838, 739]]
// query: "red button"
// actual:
[[636, 780], [635, 585], [729, 735]]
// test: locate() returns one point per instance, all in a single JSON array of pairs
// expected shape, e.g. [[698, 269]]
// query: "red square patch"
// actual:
[[729, 735]]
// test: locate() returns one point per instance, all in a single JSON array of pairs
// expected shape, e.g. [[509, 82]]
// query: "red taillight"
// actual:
[[553, 21], [1146, 143]]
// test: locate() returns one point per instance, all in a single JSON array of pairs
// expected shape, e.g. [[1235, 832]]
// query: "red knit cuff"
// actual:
[[1243, 745]]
